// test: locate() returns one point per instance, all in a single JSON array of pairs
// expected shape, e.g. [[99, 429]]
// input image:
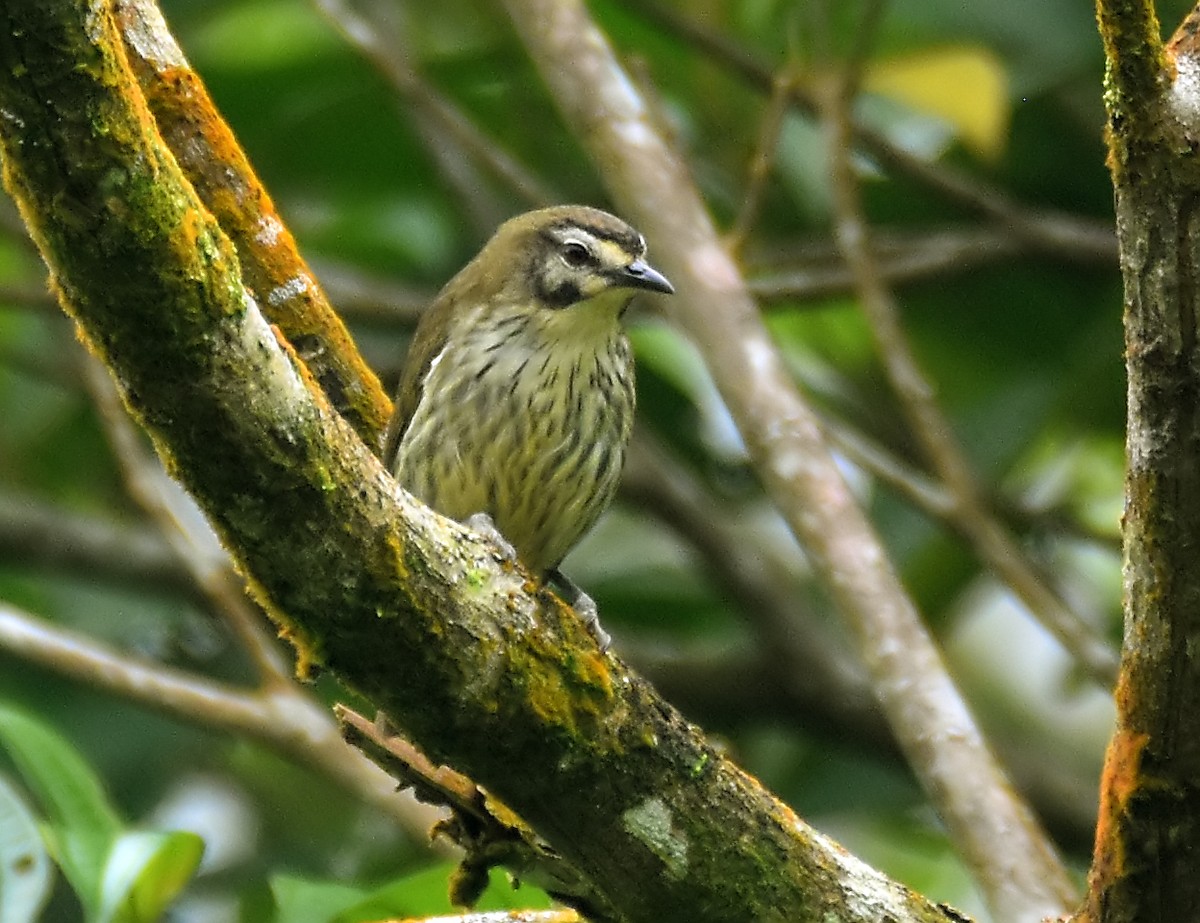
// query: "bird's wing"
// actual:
[[427, 342]]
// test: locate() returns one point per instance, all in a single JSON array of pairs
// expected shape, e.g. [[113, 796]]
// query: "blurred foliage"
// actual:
[[117, 873], [1024, 349]]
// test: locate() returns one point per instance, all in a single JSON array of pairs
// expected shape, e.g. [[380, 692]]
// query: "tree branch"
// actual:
[[969, 512], [502, 684], [285, 720], [181, 525], [216, 166], [49, 537], [783, 436], [438, 116]]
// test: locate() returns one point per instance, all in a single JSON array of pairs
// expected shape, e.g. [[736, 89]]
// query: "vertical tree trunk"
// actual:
[[1149, 832]]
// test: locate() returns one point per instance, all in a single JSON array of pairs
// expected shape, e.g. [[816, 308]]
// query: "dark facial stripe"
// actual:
[[560, 296]]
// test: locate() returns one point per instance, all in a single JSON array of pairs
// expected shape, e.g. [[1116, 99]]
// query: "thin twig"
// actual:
[[37, 534], [290, 723], [431, 106], [27, 294], [935, 499], [922, 491], [185, 530], [762, 161], [969, 511], [817, 269], [365, 297], [862, 41]]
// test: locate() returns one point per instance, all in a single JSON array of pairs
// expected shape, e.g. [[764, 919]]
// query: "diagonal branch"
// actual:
[[410, 609], [216, 166], [287, 721], [783, 436], [182, 527], [36, 533], [437, 113], [969, 512]]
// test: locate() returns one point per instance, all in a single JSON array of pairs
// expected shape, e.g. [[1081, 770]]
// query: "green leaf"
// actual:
[[425, 893], [82, 823], [301, 901], [417, 894], [24, 864], [144, 873]]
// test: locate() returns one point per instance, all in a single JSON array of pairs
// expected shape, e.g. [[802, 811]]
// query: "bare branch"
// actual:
[[45, 536], [969, 512], [441, 117], [762, 161], [818, 269], [784, 440], [365, 297], [287, 721]]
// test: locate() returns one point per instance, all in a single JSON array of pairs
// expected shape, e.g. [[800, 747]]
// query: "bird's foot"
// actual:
[[578, 600], [484, 525]]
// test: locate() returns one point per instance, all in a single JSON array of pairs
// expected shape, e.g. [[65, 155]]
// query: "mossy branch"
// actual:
[[214, 163], [407, 608]]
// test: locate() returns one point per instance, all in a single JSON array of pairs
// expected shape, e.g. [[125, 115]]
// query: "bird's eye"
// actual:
[[576, 254]]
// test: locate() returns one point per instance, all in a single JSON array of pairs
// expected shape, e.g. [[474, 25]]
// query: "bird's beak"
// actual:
[[640, 274]]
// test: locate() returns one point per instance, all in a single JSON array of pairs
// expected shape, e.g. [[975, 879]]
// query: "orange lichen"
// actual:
[[272, 267], [1121, 780]]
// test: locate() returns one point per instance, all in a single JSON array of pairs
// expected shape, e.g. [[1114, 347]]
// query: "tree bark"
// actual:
[[1148, 837], [410, 610]]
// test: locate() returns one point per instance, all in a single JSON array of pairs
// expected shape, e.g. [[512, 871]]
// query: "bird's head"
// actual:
[[570, 254]]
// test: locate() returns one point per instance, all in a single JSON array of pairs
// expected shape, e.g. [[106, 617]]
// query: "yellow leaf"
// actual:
[[965, 85]]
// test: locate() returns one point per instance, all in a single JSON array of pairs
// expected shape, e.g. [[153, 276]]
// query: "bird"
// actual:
[[516, 399]]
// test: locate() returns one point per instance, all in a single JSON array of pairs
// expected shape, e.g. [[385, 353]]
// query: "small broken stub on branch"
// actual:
[[1183, 53]]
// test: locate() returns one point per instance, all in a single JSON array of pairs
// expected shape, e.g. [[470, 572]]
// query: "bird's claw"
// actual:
[[586, 607], [583, 604], [484, 525]]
